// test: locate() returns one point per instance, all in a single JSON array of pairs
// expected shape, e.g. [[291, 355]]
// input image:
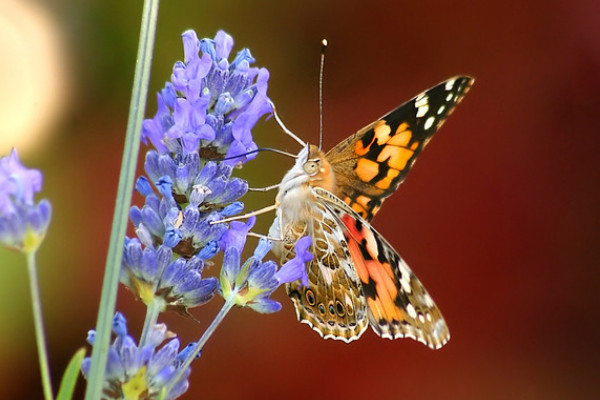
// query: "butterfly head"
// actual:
[[311, 169], [317, 168]]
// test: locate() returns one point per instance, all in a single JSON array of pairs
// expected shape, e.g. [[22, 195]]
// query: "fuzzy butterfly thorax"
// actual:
[[297, 199], [295, 195], [356, 278]]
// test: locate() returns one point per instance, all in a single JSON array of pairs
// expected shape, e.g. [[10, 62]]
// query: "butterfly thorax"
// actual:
[[295, 199]]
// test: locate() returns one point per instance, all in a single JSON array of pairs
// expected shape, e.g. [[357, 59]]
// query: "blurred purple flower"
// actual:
[[23, 223]]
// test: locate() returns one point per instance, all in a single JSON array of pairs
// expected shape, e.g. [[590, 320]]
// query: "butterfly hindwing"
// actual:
[[370, 164], [398, 304], [333, 303]]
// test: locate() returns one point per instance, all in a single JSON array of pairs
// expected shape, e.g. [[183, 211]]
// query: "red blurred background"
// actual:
[[499, 217]]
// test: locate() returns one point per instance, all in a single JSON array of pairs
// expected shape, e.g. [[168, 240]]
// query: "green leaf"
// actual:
[[69, 379]]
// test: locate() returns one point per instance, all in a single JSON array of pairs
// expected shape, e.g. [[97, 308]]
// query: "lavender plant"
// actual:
[[200, 132], [23, 225], [201, 129]]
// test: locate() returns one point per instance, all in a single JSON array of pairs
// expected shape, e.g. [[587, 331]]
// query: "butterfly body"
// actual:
[[301, 213], [356, 278]]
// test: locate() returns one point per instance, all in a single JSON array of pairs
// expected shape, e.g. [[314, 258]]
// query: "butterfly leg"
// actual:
[[261, 236], [283, 127], [264, 189], [248, 215]]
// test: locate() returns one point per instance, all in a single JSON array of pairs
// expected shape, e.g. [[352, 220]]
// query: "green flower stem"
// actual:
[[152, 312], [229, 303], [123, 200], [36, 305]]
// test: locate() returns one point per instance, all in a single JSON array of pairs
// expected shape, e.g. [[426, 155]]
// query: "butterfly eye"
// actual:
[[311, 167]]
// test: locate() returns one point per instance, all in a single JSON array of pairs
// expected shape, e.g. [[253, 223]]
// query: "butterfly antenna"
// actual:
[[283, 127], [323, 48]]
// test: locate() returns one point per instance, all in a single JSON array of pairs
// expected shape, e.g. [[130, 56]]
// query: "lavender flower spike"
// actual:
[[210, 105], [23, 223], [205, 113], [136, 372]]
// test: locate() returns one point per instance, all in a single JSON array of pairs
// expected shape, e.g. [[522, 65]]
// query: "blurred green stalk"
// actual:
[[36, 306], [123, 201]]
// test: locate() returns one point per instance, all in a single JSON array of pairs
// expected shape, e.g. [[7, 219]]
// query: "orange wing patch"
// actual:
[[384, 154], [395, 156], [402, 136], [373, 274], [398, 304], [366, 169]]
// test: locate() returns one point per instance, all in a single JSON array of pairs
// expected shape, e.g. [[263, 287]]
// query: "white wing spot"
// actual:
[[428, 300], [429, 317], [450, 84], [411, 311], [422, 104], [421, 318], [441, 109], [327, 274], [429, 123], [405, 280], [449, 96], [439, 327]]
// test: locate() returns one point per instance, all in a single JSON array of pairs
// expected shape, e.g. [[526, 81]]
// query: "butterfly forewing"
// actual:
[[370, 164]]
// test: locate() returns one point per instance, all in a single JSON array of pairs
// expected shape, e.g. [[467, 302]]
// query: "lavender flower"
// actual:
[[141, 372], [162, 221], [252, 283], [210, 105], [207, 187], [23, 223], [152, 275]]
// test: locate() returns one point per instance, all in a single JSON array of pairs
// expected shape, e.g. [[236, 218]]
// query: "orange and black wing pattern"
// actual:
[[398, 304], [370, 164]]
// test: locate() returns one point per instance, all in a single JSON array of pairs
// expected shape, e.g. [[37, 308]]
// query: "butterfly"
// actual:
[[356, 278]]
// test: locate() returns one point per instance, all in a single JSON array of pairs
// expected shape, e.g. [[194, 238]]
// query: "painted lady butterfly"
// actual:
[[356, 277]]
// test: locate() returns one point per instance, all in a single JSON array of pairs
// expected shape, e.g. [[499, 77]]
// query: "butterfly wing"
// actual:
[[333, 304], [370, 164], [398, 304]]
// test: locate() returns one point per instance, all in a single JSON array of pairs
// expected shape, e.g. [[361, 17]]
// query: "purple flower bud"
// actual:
[[23, 223], [119, 325], [143, 186], [224, 44]]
